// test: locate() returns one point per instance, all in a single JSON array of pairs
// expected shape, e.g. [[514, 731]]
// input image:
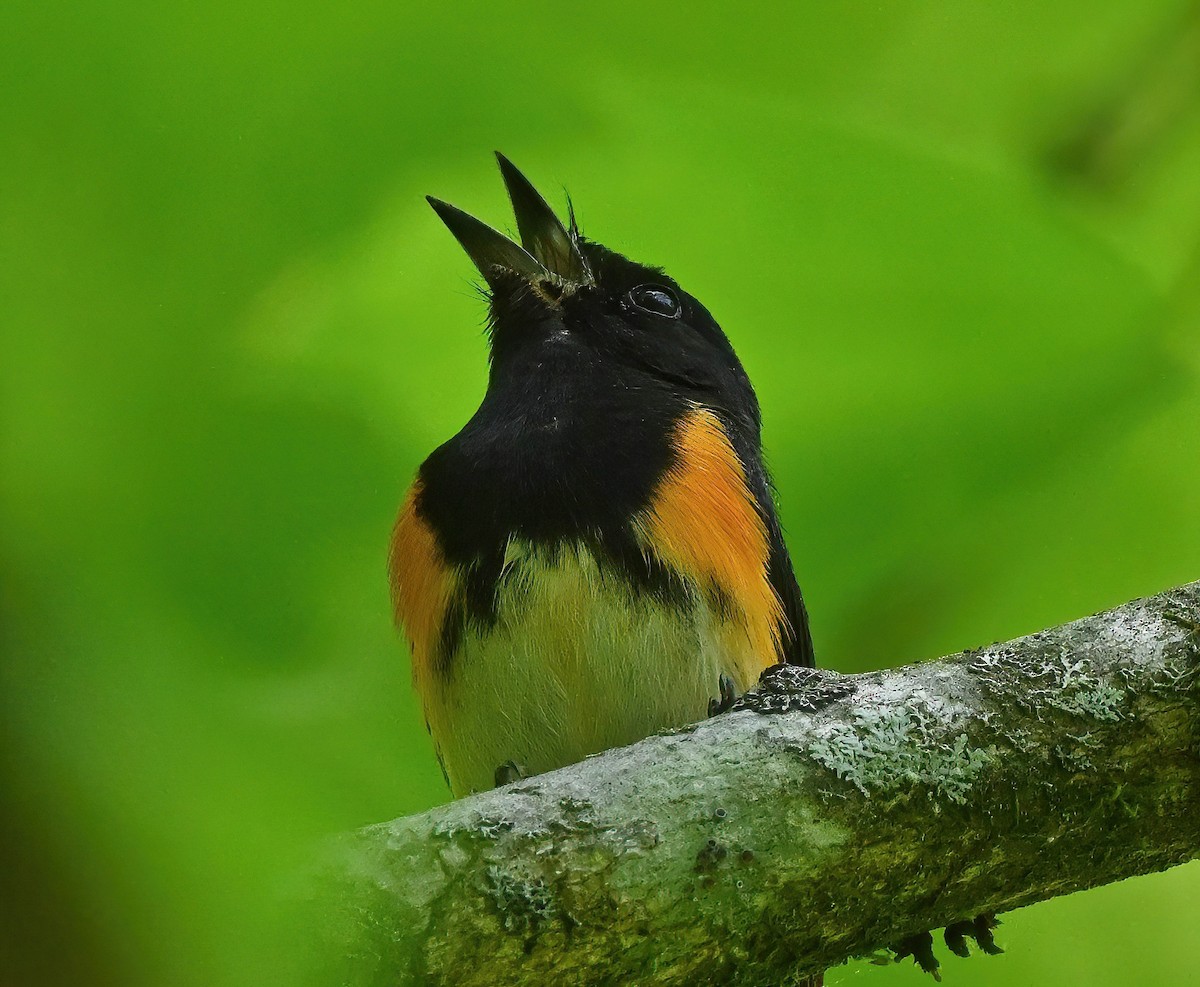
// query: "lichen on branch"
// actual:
[[826, 816]]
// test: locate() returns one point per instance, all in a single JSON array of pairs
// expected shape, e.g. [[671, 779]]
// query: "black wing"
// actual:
[[797, 640]]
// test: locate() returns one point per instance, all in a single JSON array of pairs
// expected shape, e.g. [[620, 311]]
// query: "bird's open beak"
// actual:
[[548, 251]]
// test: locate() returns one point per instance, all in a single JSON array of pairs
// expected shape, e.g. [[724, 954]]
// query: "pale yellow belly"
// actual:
[[576, 664]]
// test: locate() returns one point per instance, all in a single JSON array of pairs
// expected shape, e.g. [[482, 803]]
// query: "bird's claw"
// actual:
[[727, 697], [979, 929], [509, 772], [920, 946]]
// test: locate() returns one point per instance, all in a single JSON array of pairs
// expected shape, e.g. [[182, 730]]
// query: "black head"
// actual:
[[560, 296], [595, 361]]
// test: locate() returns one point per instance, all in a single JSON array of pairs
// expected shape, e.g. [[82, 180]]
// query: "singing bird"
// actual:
[[596, 555]]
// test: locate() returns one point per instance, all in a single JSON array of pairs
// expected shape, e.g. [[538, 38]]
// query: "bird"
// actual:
[[597, 554]]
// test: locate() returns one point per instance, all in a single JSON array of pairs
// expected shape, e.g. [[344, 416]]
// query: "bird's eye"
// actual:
[[656, 299]]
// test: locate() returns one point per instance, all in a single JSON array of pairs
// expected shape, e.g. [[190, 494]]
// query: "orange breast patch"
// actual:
[[703, 522], [422, 585]]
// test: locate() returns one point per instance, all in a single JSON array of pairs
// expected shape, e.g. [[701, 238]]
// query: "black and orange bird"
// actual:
[[596, 555]]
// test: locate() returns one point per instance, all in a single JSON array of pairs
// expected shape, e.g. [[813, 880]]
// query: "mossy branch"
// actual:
[[827, 817]]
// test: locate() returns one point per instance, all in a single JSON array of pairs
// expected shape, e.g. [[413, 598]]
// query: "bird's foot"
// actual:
[[956, 934], [727, 697], [979, 929], [509, 772], [920, 948]]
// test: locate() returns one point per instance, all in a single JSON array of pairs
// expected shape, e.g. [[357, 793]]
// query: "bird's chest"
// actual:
[[575, 663]]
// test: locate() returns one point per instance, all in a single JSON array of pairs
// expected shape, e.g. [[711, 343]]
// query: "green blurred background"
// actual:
[[957, 246]]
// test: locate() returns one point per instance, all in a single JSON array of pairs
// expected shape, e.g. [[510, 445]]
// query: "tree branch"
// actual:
[[828, 817]]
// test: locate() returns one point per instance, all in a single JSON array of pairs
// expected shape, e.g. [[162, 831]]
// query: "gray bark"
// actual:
[[827, 817]]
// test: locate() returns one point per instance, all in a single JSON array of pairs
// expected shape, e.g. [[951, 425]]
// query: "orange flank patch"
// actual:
[[702, 521], [422, 584]]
